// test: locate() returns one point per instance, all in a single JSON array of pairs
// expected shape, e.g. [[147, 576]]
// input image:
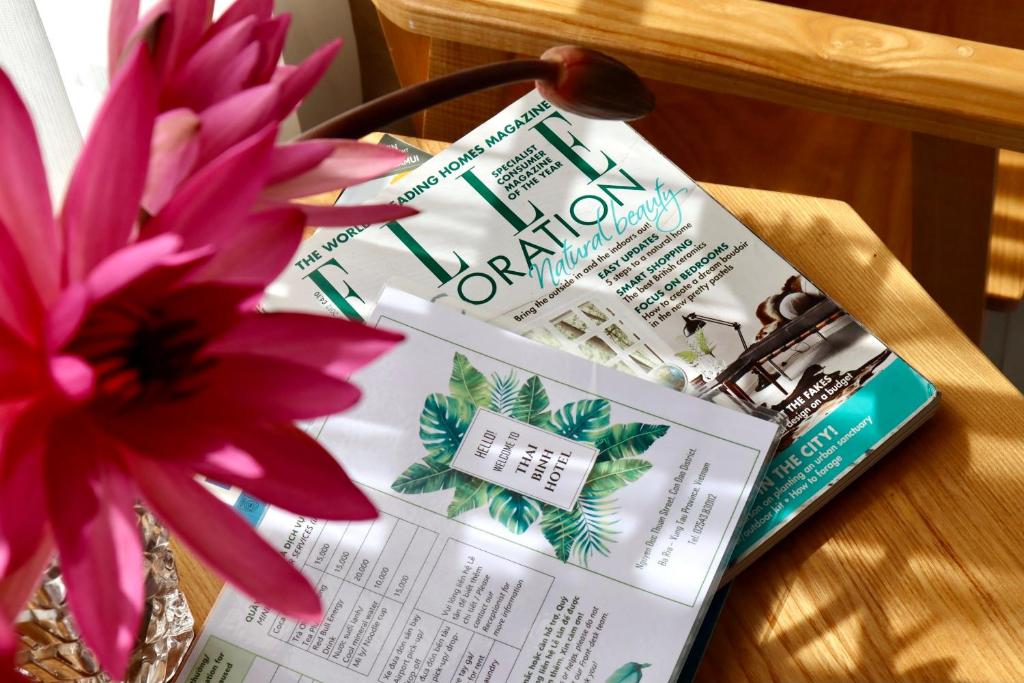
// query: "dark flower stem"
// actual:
[[376, 114]]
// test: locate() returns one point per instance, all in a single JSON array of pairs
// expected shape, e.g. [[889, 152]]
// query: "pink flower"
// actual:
[[219, 83], [132, 359]]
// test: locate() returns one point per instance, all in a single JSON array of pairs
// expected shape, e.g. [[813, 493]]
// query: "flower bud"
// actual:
[[592, 84]]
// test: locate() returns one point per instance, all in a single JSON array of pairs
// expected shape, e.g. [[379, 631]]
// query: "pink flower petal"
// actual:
[[72, 376], [123, 16], [174, 152], [18, 371], [247, 388], [17, 584], [297, 474], [66, 315], [277, 463], [91, 507], [335, 346], [273, 390], [362, 214], [300, 81], [25, 211], [241, 9], [25, 543], [209, 207], [295, 158], [234, 77], [221, 539], [233, 119], [148, 272], [183, 34], [152, 29], [283, 72], [350, 163], [8, 646], [22, 498], [213, 68], [261, 249], [270, 35], [127, 264], [209, 309], [20, 308], [103, 196]]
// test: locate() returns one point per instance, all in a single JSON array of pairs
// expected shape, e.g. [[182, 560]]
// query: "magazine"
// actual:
[[578, 234], [532, 505]]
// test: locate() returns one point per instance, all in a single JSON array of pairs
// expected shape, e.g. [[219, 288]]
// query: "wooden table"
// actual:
[[915, 572]]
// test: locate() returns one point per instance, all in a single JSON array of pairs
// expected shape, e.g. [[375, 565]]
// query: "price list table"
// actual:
[[227, 663], [471, 620], [364, 572]]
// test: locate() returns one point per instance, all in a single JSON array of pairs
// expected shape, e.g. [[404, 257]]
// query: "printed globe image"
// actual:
[[670, 376]]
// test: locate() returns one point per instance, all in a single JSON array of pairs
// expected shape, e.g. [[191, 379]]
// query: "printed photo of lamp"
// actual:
[[696, 322]]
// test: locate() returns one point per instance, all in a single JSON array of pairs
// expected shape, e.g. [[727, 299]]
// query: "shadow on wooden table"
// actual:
[[873, 586]]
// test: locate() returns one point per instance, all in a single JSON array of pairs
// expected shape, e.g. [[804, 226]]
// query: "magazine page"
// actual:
[[532, 506], [578, 234]]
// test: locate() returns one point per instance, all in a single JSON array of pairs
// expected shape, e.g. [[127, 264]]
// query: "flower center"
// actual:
[[140, 356]]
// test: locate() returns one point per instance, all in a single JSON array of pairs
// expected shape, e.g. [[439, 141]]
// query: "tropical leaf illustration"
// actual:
[[503, 392], [589, 527], [426, 478], [585, 529], [630, 672], [581, 421], [594, 533], [516, 511], [469, 384], [532, 403], [443, 425], [627, 440], [470, 494], [560, 528], [611, 475]]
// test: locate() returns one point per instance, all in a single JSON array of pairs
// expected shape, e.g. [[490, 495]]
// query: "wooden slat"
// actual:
[[921, 81], [953, 187], [1005, 286], [913, 573], [451, 120], [410, 53]]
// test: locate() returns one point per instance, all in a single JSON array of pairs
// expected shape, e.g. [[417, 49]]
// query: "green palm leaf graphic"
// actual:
[[581, 421], [559, 528], [471, 493], [469, 384], [514, 510], [627, 440], [611, 475], [443, 425], [586, 529], [503, 392], [595, 532], [532, 403], [426, 478]]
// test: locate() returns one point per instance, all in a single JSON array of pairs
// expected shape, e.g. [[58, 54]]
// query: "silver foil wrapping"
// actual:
[[50, 646]]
